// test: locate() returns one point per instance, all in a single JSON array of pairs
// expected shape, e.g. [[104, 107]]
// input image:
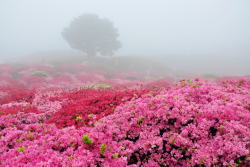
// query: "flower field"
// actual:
[[74, 115]]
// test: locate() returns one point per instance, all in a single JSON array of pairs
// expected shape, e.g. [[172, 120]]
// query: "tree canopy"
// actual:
[[90, 34]]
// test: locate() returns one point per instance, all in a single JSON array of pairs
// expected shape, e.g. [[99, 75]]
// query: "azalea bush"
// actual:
[[15, 109], [13, 94], [39, 73], [78, 117], [83, 104], [97, 86], [156, 85], [62, 78]]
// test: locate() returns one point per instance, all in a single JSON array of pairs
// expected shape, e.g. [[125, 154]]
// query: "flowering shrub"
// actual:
[[42, 145], [155, 85], [120, 84], [98, 71], [97, 86], [132, 123], [17, 109], [46, 68], [33, 80], [7, 81], [82, 103], [190, 124], [61, 79], [7, 69], [80, 68], [86, 78], [235, 81], [187, 125], [17, 95], [39, 73], [72, 68]]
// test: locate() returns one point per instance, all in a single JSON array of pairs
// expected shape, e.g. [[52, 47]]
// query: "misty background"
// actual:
[[196, 36]]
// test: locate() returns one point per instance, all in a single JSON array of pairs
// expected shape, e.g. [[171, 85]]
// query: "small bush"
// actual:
[[98, 86], [210, 76], [149, 78], [82, 103], [39, 73]]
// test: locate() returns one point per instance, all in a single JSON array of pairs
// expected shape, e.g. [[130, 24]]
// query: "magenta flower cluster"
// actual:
[[192, 123]]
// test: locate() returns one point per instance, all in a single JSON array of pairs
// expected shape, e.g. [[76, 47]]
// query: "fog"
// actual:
[[211, 36]]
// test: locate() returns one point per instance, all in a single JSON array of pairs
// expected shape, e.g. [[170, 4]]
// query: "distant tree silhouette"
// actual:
[[90, 34]]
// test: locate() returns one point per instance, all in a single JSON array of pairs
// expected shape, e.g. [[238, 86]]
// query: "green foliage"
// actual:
[[139, 120], [98, 86], [30, 136], [90, 34], [210, 76], [102, 150], [39, 73], [86, 140], [115, 156], [91, 116], [149, 78], [19, 140], [21, 149], [225, 100], [78, 118]]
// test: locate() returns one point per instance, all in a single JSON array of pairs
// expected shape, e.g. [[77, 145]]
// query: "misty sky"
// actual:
[[145, 27]]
